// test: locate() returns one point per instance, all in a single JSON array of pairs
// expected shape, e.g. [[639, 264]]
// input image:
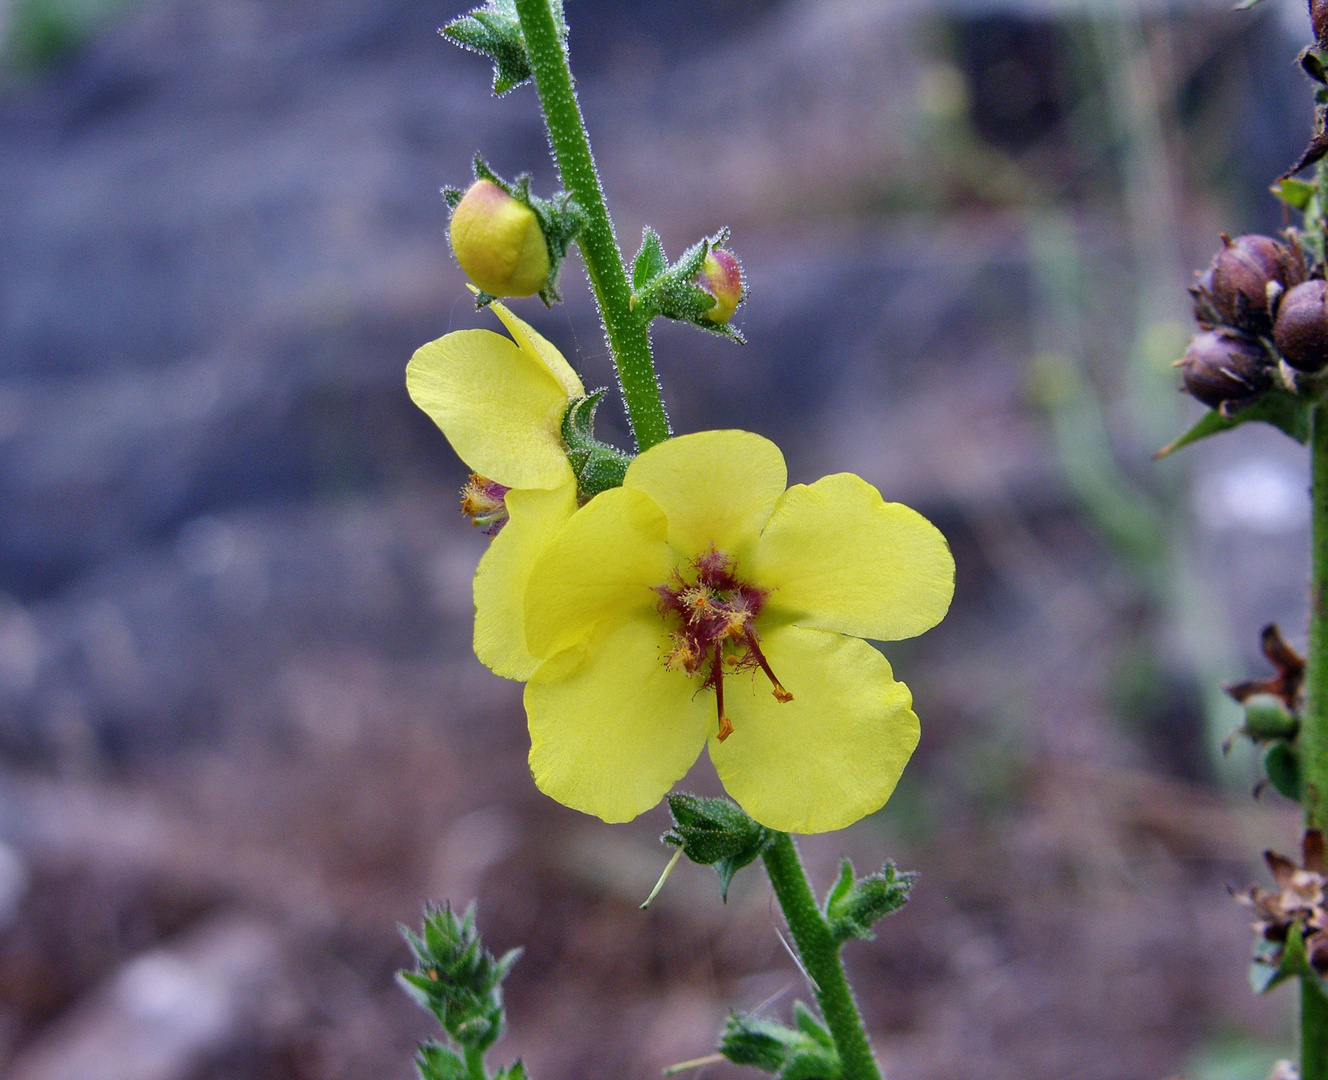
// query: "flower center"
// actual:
[[484, 502], [714, 613]]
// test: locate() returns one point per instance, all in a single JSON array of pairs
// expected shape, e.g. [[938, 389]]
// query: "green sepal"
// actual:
[[804, 1052], [650, 261], [1282, 765], [1267, 718], [1286, 412], [561, 220], [716, 832], [1295, 193], [436, 1062], [515, 1071], [671, 291], [854, 906], [598, 466], [809, 1024], [1276, 962], [495, 31]]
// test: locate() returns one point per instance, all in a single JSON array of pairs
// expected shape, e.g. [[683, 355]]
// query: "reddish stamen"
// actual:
[[781, 695], [717, 676]]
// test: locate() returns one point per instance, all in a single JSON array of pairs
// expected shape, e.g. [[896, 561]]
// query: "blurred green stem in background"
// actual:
[[1145, 524], [627, 330]]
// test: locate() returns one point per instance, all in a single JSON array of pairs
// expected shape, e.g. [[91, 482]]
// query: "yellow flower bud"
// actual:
[[721, 277], [498, 242]]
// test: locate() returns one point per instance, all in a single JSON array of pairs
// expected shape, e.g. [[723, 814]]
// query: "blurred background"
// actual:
[[242, 734]]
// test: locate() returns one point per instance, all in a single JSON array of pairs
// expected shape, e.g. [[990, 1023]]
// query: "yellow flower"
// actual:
[[701, 601], [500, 402]]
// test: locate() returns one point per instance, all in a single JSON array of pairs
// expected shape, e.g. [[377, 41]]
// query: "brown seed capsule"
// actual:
[[1301, 331], [1221, 366], [1241, 273]]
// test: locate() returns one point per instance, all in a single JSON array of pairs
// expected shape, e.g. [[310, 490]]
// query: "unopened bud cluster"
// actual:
[[458, 980], [1258, 304]]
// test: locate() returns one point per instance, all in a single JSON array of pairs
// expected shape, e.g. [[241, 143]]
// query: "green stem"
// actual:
[[1313, 1033], [1313, 738], [475, 1064], [820, 956], [627, 332]]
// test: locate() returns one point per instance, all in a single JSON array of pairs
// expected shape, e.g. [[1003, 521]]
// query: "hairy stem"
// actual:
[[1314, 722], [820, 956], [626, 330], [475, 1065], [1313, 1033], [1313, 737]]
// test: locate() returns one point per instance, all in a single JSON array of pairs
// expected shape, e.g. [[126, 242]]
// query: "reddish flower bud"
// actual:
[[1240, 275], [1319, 20], [1301, 331], [721, 277], [1221, 366], [498, 242]]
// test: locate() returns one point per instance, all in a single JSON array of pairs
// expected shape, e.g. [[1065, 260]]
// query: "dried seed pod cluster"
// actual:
[[1296, 906], [1257, 303]]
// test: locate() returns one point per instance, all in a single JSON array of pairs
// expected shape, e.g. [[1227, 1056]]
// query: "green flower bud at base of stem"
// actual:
[[721, 277], [498, 242]]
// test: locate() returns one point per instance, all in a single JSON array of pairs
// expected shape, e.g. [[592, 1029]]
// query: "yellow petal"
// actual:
[[602, 567], [528, 338], [500, 582], [716, 487], [838, 557], [498, 405], [831, 755], [612, 729]]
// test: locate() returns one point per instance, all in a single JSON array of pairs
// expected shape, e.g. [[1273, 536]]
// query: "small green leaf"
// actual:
[[1295, 193], [1245, 5], [495, 31], [650, 261], [807, 1022], [436, 1062], [598, 466], [1287, 412], [1282, 764], [843, 886]]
